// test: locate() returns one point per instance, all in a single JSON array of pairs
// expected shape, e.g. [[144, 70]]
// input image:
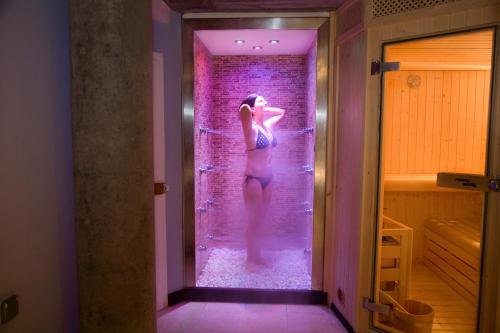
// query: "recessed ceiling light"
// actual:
[[274, 41], [239, 41], [256, 47]]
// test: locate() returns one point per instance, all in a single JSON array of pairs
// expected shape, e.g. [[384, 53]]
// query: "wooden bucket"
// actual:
[[418, 319]]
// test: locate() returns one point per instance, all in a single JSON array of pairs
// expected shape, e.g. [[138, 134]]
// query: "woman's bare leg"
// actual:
[[252, 193], [261, 226]]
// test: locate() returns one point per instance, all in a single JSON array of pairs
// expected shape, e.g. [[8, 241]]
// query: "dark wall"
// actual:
[[37, 242]]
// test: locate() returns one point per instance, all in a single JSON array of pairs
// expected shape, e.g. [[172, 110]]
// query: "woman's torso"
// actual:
[[259, 151]]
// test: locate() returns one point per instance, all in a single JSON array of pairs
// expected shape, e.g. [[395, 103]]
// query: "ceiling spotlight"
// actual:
[[256, 47], [239, 41], [274, 41]]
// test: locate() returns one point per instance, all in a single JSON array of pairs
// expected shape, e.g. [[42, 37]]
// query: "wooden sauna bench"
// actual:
[[412, 183], [453, 252], [452, 247]]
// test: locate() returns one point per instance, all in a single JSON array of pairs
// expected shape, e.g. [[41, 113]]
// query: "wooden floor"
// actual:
[[452, 313]]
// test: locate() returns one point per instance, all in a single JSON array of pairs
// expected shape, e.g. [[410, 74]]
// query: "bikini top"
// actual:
[[263, 142]]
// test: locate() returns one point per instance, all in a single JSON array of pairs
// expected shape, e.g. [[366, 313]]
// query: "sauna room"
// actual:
[[435, 120]]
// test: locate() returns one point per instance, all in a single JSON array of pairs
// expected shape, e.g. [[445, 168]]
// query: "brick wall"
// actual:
[[221, 83]]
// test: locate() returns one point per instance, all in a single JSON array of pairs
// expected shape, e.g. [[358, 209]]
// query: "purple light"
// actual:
[[274, 41], [239, 41], [256, 47]]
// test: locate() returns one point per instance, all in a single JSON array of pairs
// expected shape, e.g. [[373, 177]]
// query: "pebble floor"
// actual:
[[286, 269]]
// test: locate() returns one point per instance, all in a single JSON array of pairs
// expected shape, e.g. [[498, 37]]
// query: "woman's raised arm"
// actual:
[[246, 117], [276, 115]]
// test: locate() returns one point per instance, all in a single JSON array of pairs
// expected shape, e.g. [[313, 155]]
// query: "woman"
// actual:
[[257, 120]]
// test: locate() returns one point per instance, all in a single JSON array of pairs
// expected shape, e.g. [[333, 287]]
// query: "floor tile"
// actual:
[[310, 323], [225, 307], [266, 308], [248, 318], [314, 309], [266, 322], [225, 319], [169, 324]]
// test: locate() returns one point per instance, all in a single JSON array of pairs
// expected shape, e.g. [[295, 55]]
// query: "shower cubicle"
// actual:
[[214, 235]]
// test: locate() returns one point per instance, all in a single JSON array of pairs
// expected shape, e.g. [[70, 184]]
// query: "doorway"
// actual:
[[214, 152], [435, 118]]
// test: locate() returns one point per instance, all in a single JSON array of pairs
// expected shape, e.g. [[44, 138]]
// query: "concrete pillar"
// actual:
[[113, 164]]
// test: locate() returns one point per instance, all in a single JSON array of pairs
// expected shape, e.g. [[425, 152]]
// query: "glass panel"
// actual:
[[275, 224], [435, 119]]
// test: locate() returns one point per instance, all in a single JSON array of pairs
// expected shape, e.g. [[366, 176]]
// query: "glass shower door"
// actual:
[[436, 117]]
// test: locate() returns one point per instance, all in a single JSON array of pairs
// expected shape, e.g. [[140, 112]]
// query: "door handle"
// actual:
[[494, 185], [160, 188], [465, 181]]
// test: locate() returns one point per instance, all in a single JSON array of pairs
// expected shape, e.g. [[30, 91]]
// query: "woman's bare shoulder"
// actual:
[[245, 113], [245, 108]]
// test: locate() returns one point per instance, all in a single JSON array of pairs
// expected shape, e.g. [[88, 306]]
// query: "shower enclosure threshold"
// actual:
[[241, 295]]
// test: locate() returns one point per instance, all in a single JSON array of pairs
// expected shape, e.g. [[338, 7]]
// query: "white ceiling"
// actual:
[[221, 42]]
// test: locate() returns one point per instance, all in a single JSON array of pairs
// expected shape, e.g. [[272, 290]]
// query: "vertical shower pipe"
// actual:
[[208, 196], [202, 207]]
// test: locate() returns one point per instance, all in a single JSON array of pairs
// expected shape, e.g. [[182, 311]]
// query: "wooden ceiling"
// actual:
[[461, 51], [192, 6]]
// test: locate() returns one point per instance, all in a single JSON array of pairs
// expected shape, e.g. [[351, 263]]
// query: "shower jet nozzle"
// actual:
[[308, 211], [307, 169], [206, 168], [206, 130], [307, 130], [201, 209]]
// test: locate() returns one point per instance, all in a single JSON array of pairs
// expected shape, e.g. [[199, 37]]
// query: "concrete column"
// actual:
[[113, 164]]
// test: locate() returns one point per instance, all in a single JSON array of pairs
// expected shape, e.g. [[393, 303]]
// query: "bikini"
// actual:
[[262, 143], [264, 181]]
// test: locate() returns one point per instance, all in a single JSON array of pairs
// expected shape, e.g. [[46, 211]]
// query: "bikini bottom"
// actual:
[[264, 181]]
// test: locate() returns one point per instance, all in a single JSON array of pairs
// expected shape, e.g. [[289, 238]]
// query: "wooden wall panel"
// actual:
[[349, 165], [435, 121], [413, 208], [470, 51]]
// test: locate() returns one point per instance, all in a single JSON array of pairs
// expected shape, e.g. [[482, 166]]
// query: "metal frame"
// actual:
[[188, 28]]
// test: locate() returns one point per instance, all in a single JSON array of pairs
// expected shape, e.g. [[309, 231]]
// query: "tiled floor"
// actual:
[[248, 318]]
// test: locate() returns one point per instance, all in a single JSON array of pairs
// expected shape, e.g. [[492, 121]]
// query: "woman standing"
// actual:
[[257, 121]]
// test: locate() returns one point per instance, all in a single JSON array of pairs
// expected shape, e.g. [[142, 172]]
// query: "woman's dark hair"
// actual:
[[250, 100]]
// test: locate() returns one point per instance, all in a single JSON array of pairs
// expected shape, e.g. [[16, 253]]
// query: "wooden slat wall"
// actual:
[[440, 125], [413, 208], [470, 50]]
